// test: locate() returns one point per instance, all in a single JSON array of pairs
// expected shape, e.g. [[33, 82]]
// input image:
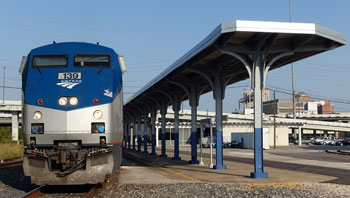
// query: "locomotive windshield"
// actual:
[[43, 61], [91, 61]]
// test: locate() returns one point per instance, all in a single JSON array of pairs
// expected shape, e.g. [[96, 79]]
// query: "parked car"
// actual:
[[206, 142], [323, 141], [332, 142], [226, 144], [327, 141], [338, 142], [345, 142], [318, 141], [303, 141], [235, 144]]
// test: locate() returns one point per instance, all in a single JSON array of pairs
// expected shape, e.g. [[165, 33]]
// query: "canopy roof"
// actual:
[[301, 39]]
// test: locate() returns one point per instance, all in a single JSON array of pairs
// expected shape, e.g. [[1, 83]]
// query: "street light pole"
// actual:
[[3, 87]]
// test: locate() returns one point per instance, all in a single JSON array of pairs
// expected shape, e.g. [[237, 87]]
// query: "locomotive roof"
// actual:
[[73, 47]]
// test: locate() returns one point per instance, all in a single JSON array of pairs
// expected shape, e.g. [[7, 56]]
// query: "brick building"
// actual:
[[325, 107]]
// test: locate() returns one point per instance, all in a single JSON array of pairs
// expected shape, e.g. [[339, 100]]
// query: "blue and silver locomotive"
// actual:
[[72, 113]]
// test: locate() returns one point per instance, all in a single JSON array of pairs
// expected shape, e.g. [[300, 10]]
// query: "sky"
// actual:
[[153, 34]]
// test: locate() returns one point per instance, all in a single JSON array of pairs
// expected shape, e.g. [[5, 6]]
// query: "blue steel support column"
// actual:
[[176, 108], [145, 118], [134, 136], [153, 116], [194, 99], [163, 111], [258, 77], [129, 135], [258, 127], [139, 134], [219, 96], [125, 136]]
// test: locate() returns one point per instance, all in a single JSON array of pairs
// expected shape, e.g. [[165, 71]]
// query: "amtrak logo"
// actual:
[[69, 84], [108, 93]]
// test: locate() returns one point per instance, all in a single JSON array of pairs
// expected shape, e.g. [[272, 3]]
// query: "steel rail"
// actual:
[[34, 193], [11, 162]]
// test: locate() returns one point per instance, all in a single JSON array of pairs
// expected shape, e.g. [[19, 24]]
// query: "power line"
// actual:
[[313, 95], [318, 98], [239, 86], [7, 87], [147, 70], [11, 78]]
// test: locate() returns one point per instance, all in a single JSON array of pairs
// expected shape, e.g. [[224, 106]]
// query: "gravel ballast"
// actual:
[[226, 190], [14, 184]]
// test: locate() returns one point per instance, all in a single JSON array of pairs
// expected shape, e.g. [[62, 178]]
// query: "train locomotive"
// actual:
[[72, 113]]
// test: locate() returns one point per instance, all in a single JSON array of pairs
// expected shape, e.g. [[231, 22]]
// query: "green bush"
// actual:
[[6, 135]]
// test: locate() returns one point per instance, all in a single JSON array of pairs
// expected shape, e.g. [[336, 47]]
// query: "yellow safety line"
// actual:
[[183, 175], [175, 172]]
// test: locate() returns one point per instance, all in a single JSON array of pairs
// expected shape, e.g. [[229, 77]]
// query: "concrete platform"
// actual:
[[281, 168]]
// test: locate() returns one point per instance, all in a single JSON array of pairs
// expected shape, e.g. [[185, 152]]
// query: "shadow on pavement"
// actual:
[[14, 177]]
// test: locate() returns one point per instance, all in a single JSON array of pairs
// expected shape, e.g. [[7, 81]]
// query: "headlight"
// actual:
[[62, 101], [37, 115], [98, 114], [73, 101]]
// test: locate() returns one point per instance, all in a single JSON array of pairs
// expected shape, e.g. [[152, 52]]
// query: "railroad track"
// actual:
[[11, 162], [86, 191], [53, 191], [34, 193]]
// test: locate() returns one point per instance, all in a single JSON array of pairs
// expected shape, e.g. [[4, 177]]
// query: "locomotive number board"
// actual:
[[69, 76]]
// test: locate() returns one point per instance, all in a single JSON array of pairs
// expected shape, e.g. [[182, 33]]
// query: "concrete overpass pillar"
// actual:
[[299, 135], [336, 134], [15, 126]]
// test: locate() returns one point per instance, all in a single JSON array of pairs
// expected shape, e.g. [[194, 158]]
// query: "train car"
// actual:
[[72, 113]]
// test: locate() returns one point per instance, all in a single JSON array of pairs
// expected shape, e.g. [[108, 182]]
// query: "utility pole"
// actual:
[[3, 87], [293, 88], [274, 119]]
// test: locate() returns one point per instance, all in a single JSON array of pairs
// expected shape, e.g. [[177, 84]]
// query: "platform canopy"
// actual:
[[288, 41]]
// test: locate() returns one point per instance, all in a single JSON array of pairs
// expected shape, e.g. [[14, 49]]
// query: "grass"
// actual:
[[10, 150]]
